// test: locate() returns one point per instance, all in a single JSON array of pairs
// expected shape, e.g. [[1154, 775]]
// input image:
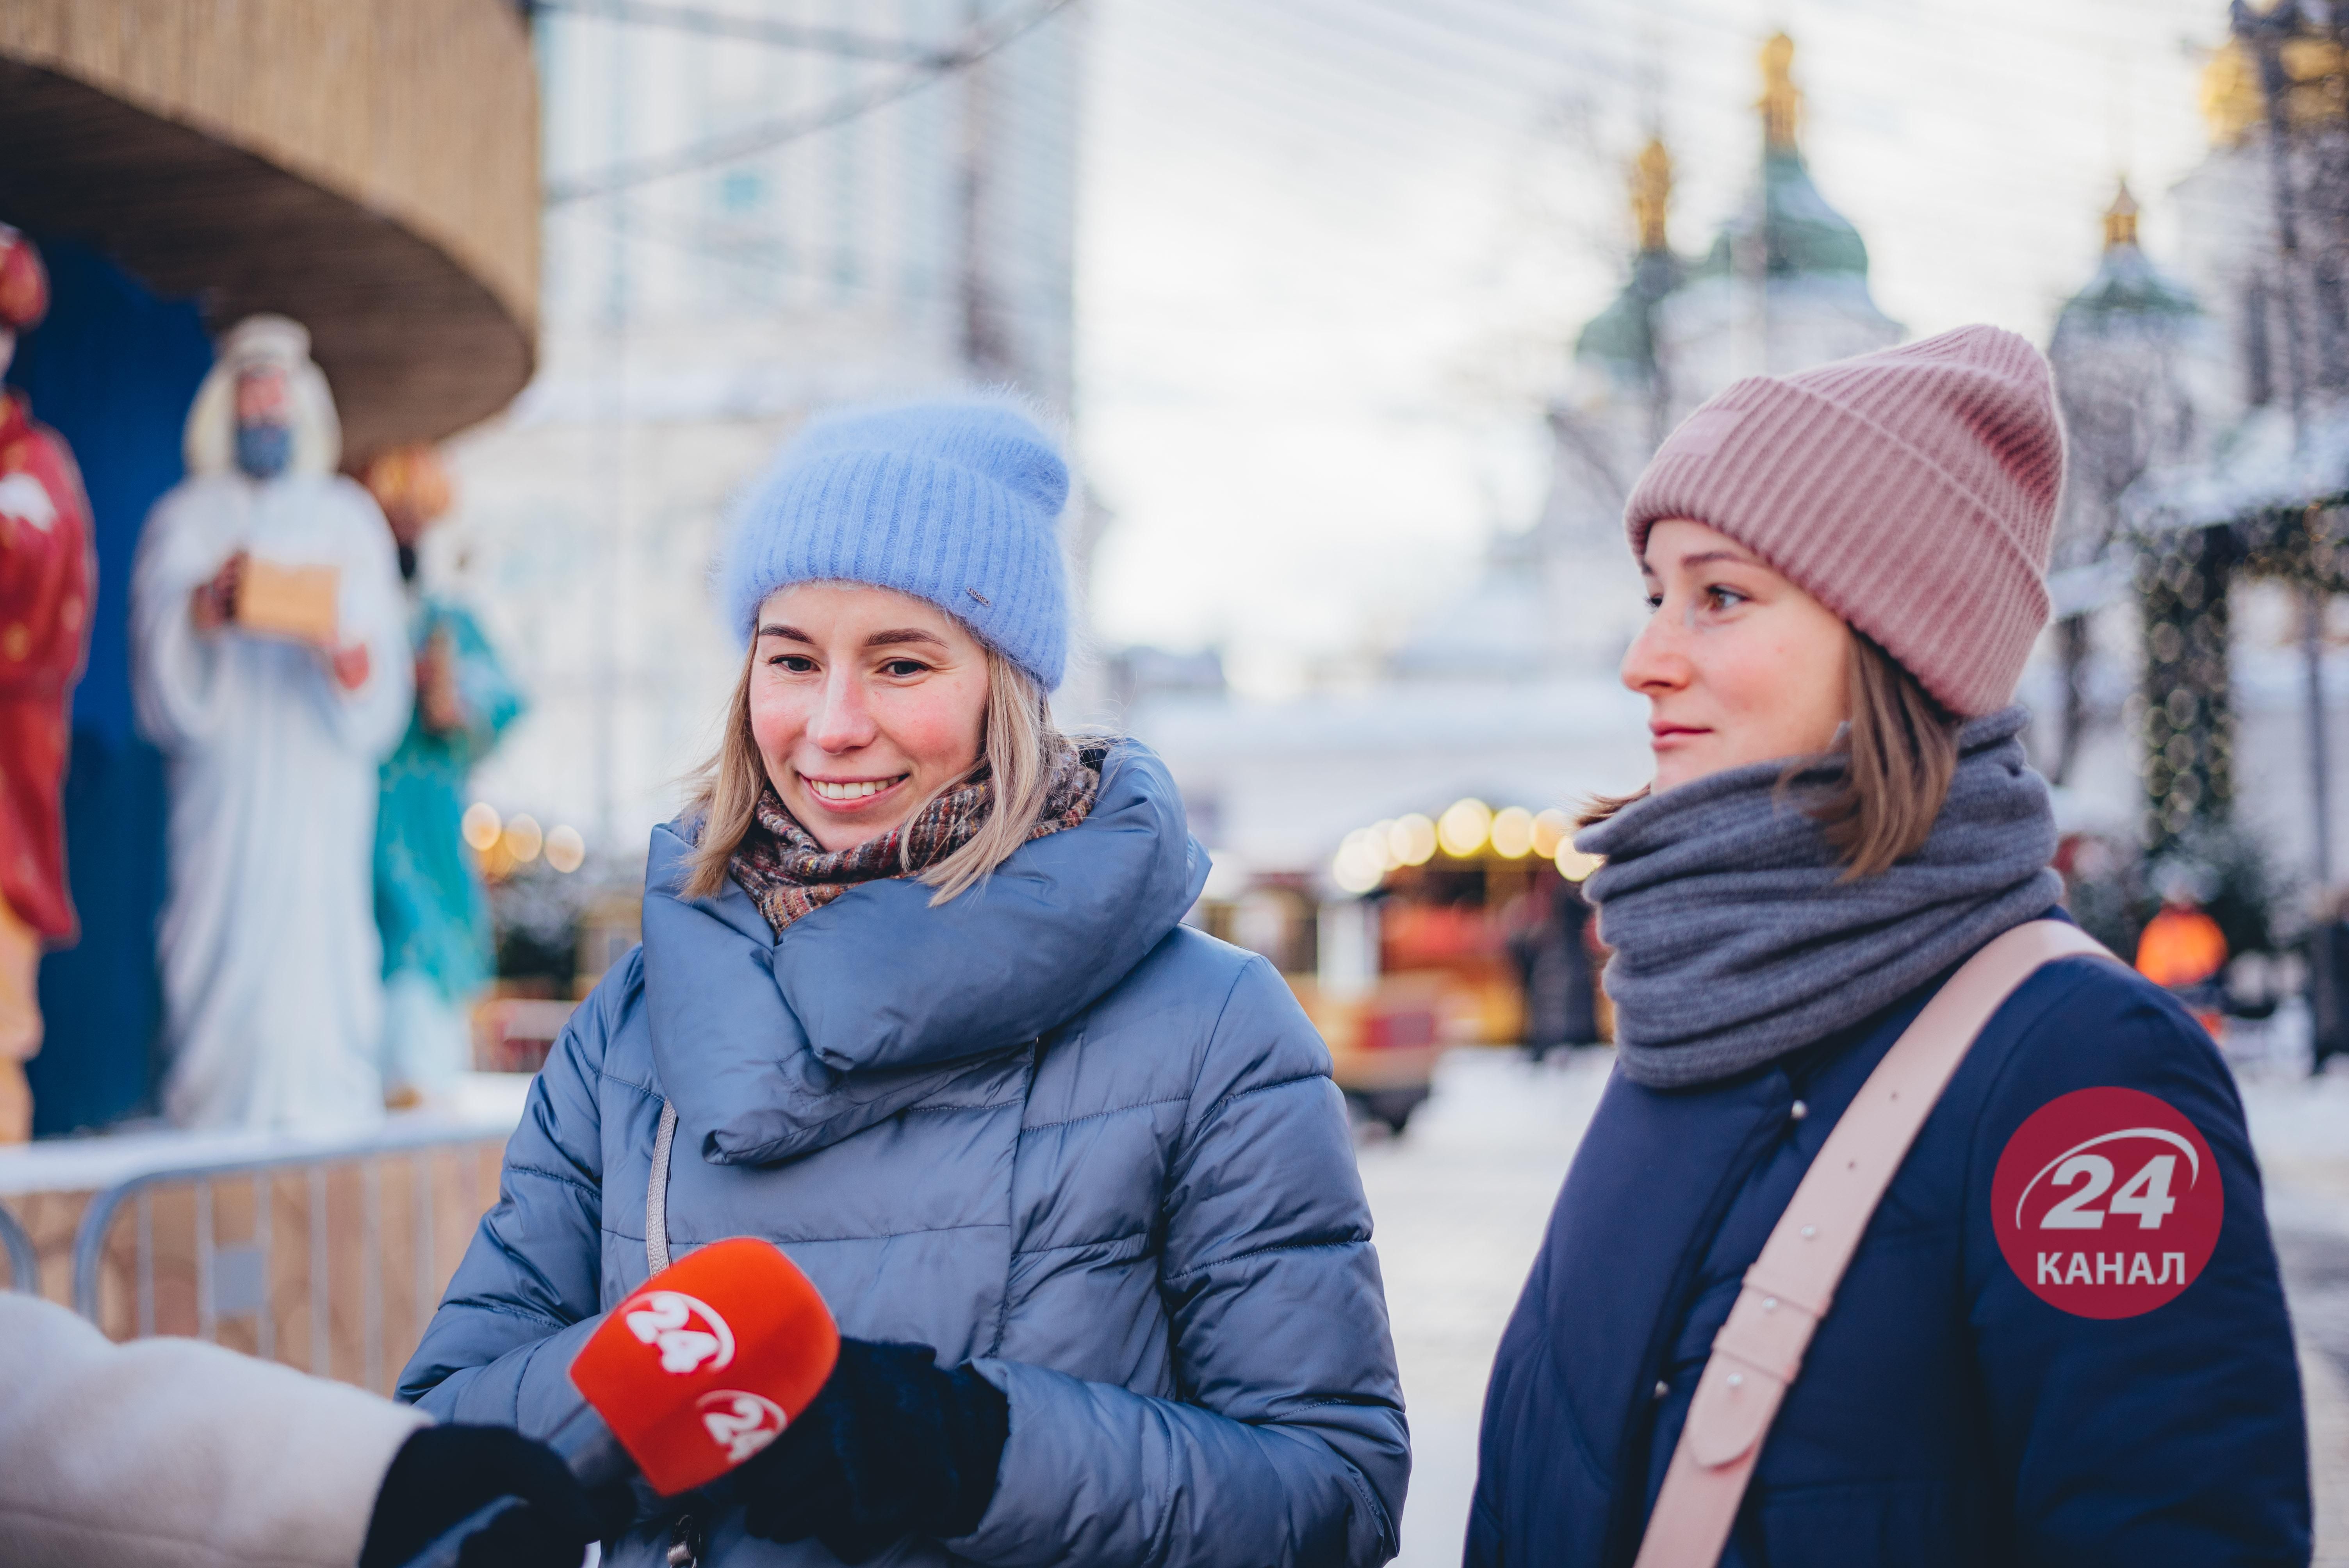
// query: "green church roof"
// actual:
[[1623, 334], [2126, 284], [1802, 235]]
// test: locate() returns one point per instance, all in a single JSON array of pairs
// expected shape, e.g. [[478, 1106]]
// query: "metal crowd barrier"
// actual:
[[246, 1279], [24, 1263]]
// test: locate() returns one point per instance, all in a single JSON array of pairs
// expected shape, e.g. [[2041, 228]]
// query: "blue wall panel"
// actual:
[[113, 369]]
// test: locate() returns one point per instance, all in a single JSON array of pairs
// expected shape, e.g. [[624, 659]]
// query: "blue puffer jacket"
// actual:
[[1946, 1416], [1044, 1128]]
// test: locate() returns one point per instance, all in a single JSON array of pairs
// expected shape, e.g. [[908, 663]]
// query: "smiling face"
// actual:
[[863, 702], [1738, 664]]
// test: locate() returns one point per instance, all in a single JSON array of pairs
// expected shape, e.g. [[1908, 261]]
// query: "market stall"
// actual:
[[1466, 928]]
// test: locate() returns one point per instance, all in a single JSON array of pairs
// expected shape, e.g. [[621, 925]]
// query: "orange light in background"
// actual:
[[497, 860], [1362, 861], [566, 851], [481, 826], [1573, 864], [1551, 828], [1462, 830], [523, 839], [1412, 840], [1513, 833]]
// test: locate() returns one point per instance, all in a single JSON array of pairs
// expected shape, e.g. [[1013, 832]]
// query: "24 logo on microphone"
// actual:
[[686, 1332], [2107, 1202]]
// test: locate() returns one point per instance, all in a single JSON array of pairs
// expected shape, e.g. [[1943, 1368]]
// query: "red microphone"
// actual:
[[692, 1373], [704, 1364]]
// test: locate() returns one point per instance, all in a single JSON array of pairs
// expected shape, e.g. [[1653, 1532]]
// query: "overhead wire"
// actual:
[[1336, 82], [772, 132], [2038, 176], [755, 29], [743, 248]]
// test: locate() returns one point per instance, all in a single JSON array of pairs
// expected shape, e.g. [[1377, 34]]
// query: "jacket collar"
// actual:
[[774, 1047]]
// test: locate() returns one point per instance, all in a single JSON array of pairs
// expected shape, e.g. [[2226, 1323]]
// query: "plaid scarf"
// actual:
[[788, 874]]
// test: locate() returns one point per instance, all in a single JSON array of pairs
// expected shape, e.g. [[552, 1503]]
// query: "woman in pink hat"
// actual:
[[1912, 1228]]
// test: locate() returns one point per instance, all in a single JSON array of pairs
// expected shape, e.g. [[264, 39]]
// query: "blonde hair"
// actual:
[[1899, 752], [1019, 746]]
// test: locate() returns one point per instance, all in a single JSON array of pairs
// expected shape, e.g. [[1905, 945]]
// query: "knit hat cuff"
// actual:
[[919, 525]]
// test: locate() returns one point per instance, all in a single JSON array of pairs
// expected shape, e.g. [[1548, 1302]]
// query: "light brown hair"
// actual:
[[1018, 747], [1879, 793]]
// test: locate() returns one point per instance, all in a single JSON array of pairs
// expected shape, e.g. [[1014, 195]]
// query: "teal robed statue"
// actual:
[[438, 948]]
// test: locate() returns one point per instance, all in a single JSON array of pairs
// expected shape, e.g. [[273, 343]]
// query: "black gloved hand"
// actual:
[[895, 1445], [443, 1473]]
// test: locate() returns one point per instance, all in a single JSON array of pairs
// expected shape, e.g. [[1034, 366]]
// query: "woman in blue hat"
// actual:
[[915, 1003]]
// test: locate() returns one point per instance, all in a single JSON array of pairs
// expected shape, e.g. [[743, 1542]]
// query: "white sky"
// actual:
[[1334, 251]]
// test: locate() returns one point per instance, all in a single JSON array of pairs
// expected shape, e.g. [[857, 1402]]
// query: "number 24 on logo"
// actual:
[[2145, 1194]]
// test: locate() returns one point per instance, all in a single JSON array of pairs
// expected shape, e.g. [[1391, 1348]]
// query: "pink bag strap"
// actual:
[[1759, 1351]]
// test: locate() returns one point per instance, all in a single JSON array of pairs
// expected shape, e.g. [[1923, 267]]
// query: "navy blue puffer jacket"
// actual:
[[1946, 1416], [1041, 1126]]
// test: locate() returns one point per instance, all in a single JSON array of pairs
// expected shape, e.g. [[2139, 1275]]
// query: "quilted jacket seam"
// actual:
[[1235, 1097], [1338, 1245], [1098, 1115], [647, 1090], [571, 1182], [869, 1236], [504, 1309], [1079, 1246]]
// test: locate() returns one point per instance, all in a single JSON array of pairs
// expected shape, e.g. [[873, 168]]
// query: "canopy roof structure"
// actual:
[[369, 167], [2263, 466]]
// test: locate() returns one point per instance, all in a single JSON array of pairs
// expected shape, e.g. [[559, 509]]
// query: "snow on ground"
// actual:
[[1460, 1201]]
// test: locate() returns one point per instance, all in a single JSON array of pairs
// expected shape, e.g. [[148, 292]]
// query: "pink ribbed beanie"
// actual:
[[1912, 491]]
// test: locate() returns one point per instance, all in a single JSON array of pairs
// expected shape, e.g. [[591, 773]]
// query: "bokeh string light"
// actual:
[[481, 826], [566, 850], [1468, 830]]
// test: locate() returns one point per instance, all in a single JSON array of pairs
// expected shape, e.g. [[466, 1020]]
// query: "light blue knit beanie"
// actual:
[[958, 503]]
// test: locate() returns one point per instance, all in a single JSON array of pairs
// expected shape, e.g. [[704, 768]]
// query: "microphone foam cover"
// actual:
[[706, 1363]]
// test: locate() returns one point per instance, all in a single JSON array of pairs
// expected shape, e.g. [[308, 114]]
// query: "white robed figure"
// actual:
[[270, 664]]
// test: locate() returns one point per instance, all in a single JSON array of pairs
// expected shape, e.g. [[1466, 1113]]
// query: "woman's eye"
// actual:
[[796, 663], [902, 668], [1655, 601], [1721, 598]]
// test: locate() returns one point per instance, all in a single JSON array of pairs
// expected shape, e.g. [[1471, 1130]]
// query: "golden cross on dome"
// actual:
[[1782, 100], [2120, 218], [1651, 193]]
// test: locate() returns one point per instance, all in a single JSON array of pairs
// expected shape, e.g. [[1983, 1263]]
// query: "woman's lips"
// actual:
[[1672, 734], [850, 794]]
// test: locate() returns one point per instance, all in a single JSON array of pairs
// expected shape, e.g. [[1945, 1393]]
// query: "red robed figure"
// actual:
[[46, 577]]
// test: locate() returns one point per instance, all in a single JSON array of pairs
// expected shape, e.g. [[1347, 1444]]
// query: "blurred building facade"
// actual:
[[814, 205]]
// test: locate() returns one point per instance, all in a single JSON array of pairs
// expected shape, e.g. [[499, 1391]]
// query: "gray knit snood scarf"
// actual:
[[1736, 942]]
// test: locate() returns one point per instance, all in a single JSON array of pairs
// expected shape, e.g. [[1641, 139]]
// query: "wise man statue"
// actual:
[[270, 664], [47, 574], [430, 904]]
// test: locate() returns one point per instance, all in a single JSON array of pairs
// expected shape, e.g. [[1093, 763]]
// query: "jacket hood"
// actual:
[[772, 1047]]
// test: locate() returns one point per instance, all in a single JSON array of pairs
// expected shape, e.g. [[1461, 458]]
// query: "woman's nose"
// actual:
[[1655, 662], [843, 723]]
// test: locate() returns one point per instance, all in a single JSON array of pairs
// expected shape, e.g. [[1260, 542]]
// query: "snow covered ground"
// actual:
[[1461, 1200]]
